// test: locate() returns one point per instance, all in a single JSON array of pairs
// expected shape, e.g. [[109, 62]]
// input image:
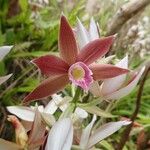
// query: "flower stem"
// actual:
[[76, 97]]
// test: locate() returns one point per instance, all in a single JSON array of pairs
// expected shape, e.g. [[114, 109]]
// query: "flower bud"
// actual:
[[21, 135]]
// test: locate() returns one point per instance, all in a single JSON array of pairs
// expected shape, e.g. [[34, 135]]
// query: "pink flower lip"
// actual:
[[80, 75]]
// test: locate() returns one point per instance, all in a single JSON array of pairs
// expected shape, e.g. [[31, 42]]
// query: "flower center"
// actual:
[[78, 73]]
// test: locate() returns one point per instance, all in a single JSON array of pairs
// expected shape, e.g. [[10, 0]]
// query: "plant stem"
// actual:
[[127, 131], [76, 97]]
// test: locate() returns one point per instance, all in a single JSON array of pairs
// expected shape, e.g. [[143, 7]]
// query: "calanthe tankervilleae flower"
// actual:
[[74, 66], [120, 86]]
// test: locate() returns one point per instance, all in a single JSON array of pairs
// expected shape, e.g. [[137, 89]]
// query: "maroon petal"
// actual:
[[51, 65], [67, 42], [37, 134], [95, 49], [104, 71], [48, 87]]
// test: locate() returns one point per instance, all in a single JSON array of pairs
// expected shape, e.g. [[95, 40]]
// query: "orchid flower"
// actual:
[[60, 136], [118, 87], [4, 50], [113, 88], [32, 141], [73, 66], [85, 36], [89, 138]]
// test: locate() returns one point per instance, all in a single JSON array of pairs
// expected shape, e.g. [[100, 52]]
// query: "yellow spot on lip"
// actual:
[[78, 73]]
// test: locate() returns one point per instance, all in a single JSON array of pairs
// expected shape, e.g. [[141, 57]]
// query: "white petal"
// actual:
[[51, 107], [93, 31], [86, 134], [4, 50], [24, 113], [41, 108], [68, 143], [81, 113], [6, 145], [123, 63], [4, 78], [127, 89], [95, 88], [105, 131], [60, 136], [113, 84], [82, 34]]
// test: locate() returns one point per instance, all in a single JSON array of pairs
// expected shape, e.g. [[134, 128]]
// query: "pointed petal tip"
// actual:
[[4, 50], [115, 35], [9, 75], [5, 78], [63, 17], [62, 14], [125, 70], [106, 71], [125, 123], [110, 39], [35, 61], [67, 43]]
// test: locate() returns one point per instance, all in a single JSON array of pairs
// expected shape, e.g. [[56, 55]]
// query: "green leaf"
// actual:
[[96, 110], [24, 5], [2, 68], [106, 145]]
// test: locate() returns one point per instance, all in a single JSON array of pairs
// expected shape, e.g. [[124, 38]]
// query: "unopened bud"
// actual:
[[21, 135]]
